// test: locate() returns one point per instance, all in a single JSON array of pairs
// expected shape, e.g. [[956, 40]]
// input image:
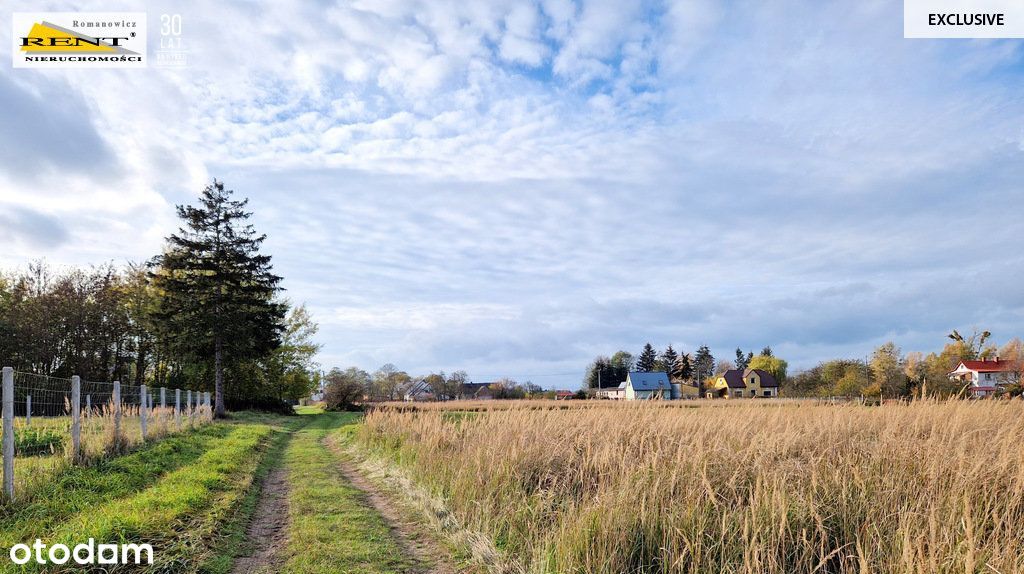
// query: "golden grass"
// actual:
[[744, 487]]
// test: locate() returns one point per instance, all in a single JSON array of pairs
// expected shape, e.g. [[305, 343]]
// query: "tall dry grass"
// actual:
[[755, 487]]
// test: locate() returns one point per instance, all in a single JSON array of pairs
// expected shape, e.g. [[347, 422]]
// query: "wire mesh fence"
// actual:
[[50, 423]]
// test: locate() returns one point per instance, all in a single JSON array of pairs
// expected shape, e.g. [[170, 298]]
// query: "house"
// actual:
[[563, 395], [418, 391], [985, 377], [320, 392], [613, 393], [735, 383], [643, 386], [476, 391]]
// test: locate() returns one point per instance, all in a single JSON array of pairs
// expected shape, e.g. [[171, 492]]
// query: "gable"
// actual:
[[766, 378]]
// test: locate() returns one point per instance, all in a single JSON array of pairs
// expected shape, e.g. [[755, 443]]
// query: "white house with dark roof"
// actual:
[[642, 386]]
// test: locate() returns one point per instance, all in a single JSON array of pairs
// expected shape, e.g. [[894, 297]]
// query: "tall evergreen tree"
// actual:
[[766, 352], [217, 289], [645, 362], [668, 360], [743, 360], [682, 370], [703, 365]]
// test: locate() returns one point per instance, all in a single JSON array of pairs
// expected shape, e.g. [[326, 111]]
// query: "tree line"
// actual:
[[698, 369], [887, 372], [345, 389], [207, 314]]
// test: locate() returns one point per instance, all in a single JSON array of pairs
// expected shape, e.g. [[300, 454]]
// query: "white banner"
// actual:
[[963, 18]]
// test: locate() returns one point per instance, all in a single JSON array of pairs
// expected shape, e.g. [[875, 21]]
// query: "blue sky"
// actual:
[[512, 188]]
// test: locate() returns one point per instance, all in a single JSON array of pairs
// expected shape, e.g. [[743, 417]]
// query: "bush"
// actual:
[[342, 394]]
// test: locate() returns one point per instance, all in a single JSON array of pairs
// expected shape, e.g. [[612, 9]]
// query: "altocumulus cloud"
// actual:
[[514, 187]]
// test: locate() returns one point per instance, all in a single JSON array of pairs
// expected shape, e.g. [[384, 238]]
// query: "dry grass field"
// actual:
[[741, 487]]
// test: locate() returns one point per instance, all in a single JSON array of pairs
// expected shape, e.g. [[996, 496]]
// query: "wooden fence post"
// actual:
[[8, 422], [76, 417], [177, 408], [117, 413], [163, 397], [143, 409], [188, 404], [28, 410], [88, 406]]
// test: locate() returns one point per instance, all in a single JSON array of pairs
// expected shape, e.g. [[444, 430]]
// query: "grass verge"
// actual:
[[175, 495]]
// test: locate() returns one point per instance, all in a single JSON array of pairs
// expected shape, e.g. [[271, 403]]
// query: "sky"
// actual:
[[513, 188]]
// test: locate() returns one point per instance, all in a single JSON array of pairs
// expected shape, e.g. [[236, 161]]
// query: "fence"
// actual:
[[51, 422]]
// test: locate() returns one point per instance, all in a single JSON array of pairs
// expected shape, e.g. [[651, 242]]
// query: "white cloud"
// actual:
[[523, 185]]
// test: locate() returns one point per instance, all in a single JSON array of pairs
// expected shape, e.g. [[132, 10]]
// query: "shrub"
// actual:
[[343, 394]]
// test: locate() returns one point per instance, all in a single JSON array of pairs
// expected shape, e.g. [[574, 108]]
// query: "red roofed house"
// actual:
[[985, 375], [563, 395]]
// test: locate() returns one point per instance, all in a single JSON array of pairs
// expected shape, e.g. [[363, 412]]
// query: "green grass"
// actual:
[[174, 494], [333, 530]]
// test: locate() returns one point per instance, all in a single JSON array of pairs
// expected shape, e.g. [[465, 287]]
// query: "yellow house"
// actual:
[[751, 383]]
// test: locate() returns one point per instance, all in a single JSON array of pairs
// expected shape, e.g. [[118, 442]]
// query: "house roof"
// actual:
[[563, 393], [767, 380], [734, 378], [648, 381], [989, 366], [418, 387]]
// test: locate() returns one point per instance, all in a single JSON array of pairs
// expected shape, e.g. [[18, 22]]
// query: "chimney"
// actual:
[[997, 358]]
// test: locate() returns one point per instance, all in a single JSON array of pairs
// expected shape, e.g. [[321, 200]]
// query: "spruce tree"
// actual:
[[743, 360], [682, 370], [703, 365], [217, 290], [668, 360], [645, 362]]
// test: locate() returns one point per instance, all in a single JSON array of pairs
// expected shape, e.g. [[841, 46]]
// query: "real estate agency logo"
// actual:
[[79, 39]]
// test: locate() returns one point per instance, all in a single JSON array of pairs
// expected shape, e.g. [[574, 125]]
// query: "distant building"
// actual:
[[613, 393], [476, 392], [563, 395], [646, 386], [751, 383], [985, 377], [418, 391]]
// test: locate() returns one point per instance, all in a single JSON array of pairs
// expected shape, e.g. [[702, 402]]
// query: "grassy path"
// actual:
[[332, 527]]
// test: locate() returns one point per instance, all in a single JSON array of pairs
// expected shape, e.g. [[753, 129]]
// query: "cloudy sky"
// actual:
[[512, 188]]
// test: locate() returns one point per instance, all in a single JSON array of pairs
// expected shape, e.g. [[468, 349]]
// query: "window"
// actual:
[[767, 392], [988, 376]]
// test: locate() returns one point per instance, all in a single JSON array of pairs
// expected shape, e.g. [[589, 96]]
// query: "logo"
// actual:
[[79, 40]]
